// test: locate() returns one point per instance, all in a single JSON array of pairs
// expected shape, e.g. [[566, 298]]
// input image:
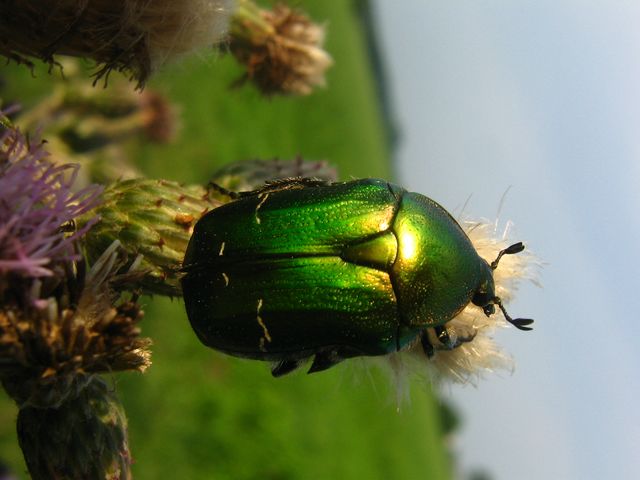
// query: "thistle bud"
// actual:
[[61, 324], [70, 424], [153, 220], [252, 174]]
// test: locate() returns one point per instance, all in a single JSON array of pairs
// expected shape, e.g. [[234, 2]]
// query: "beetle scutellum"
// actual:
[[303, 268]]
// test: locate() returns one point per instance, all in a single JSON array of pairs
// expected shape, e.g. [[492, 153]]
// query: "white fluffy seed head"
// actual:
[[178, 28], [470, 361]]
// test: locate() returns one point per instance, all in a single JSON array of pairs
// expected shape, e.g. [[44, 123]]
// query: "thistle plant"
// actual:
[[92, 127], [36, 201], [130, 36], [89, 117], [62, 321], [74, 257], [154, 219], [252, 174], [72, 264], [281, 49]]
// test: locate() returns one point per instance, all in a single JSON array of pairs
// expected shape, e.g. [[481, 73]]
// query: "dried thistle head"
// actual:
[[159, 117], [281, 49], [90, 118], [50, 349], [129, 35], [59, 324]]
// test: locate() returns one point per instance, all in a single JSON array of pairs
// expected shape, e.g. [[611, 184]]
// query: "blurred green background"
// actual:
[[199, 414]]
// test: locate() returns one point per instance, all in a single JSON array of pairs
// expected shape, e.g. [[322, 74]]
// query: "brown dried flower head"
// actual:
[[49, 351], [280, 48]]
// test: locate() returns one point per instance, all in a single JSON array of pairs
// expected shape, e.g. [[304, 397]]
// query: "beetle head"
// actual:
[[485, 296]]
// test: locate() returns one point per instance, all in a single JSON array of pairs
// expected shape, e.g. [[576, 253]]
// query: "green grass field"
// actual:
[[197, 414]]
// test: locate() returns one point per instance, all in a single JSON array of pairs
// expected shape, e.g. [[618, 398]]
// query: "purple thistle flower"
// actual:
[[36, 202]]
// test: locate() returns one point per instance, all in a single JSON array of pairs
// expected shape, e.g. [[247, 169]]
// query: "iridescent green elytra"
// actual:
[[302, 268]]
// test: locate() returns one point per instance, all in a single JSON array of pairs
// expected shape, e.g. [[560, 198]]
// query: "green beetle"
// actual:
[[305, 268]]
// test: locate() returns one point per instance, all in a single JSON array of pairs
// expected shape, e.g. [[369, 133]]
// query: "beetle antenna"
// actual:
[[515, 248], [220, 189], [519, 323]]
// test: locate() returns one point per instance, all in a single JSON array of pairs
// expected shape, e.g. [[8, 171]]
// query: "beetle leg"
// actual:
[[427, 347], [212, 186], [283, 367], [291, 183], [460, 335], [451, 337], [445, 338], [324, 360]]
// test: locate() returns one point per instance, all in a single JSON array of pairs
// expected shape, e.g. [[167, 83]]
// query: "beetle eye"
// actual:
[[489, 309]]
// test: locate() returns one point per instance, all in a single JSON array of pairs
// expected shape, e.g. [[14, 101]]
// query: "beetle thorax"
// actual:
[[437, 270]]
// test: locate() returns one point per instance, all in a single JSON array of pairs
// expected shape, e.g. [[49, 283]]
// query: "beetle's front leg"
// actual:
[[284, 366], [445, 337], [322, 360]]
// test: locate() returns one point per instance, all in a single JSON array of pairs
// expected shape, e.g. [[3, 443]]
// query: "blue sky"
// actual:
[[542, 97]]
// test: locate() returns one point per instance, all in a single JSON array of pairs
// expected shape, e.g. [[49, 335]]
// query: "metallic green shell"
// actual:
[[358, 268]]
